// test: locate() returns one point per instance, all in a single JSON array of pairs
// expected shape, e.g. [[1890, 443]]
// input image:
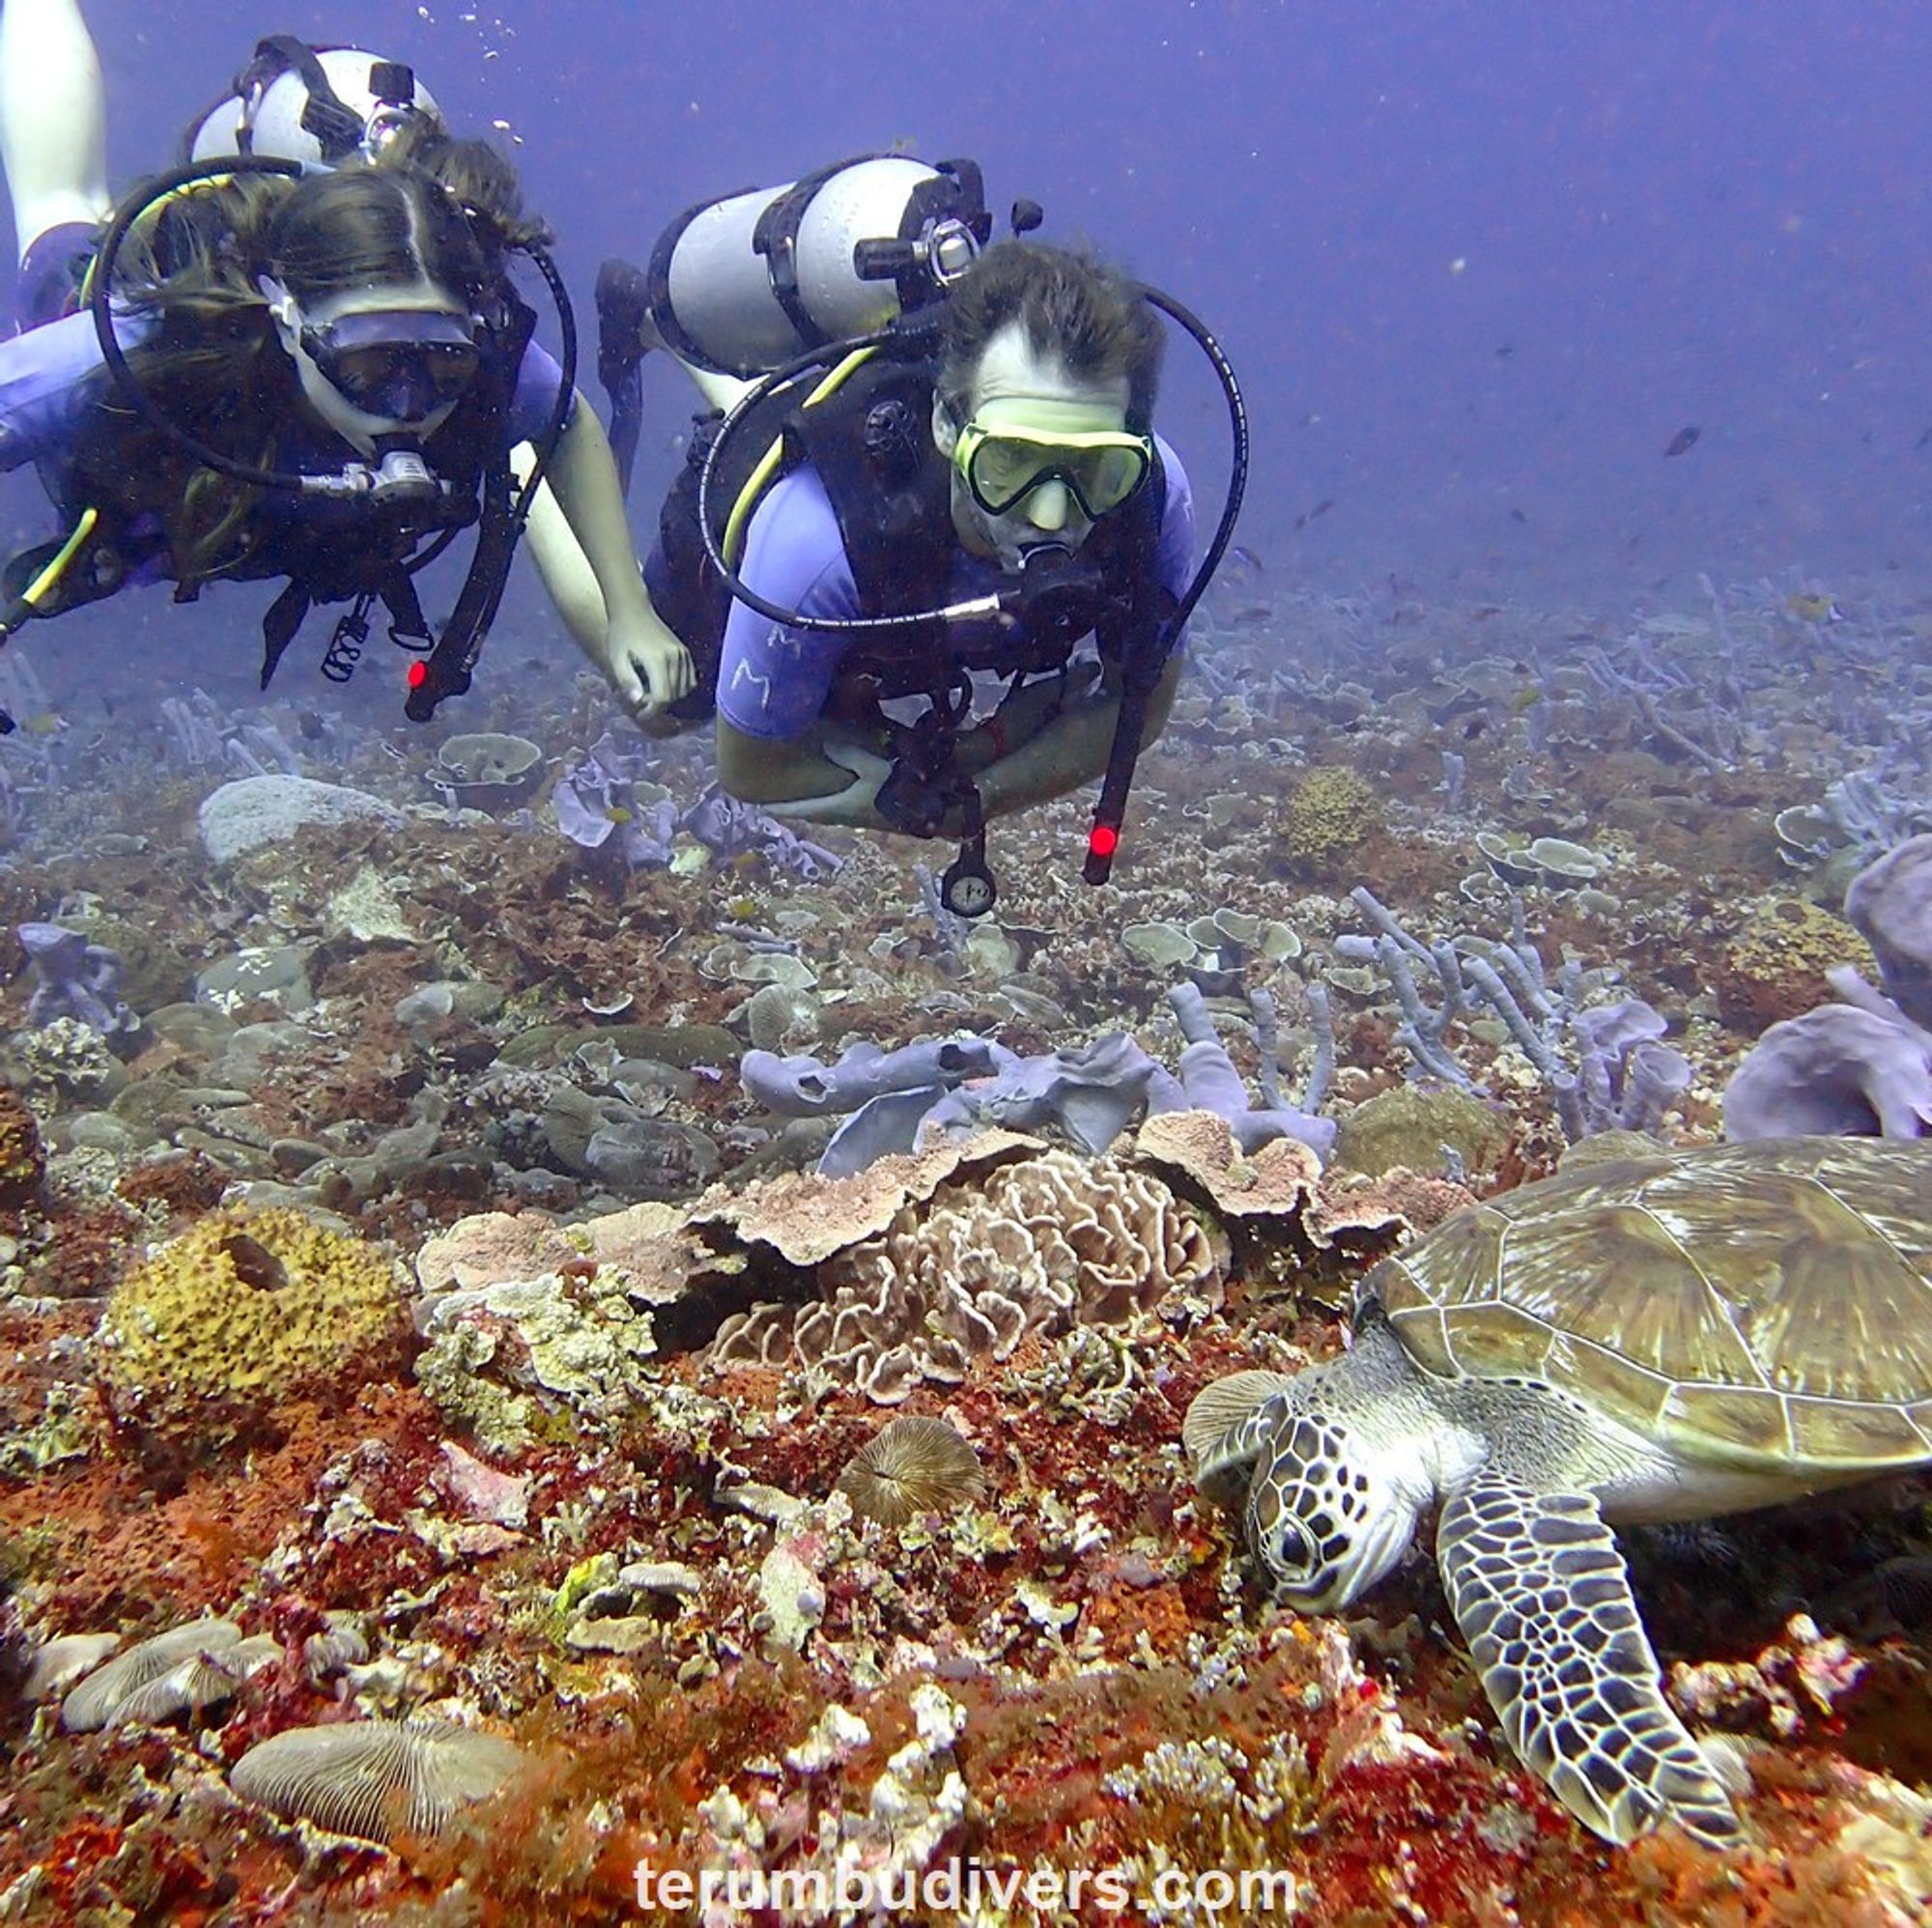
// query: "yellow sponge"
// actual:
[[206, 1339]]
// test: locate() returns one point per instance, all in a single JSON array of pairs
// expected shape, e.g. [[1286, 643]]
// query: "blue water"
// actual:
[[1477, 263]]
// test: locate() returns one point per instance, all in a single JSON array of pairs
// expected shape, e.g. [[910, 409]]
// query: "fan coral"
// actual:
[[1039, 1247], [203, 1341]]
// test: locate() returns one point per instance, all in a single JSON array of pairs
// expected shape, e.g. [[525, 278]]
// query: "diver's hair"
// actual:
[[429, 207], [1087, 316]]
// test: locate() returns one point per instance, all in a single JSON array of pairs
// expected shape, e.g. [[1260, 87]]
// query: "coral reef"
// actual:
[[579, 1531]]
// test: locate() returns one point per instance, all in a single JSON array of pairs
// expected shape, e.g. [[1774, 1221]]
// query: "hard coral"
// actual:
[[204, 1341], [1331, 811], [1039, 1246], [1418, 1127], [24, 1163]]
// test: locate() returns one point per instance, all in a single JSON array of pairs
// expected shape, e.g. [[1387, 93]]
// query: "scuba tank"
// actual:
[[742, 285], [317, 105]]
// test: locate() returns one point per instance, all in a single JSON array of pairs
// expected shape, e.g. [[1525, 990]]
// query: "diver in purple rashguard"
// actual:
[[299, 355], [946, 479]]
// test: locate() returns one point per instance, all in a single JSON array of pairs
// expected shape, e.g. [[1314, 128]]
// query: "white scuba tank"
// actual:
[[741, 285], [270, 114]]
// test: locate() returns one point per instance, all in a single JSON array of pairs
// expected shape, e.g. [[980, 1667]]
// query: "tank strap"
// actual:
[[338, 130], [775, 237], [873, 446]]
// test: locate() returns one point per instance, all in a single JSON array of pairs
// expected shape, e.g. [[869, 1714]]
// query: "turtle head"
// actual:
[[1330, 1508]]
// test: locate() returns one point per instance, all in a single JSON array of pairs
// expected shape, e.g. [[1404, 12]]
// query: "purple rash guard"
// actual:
[[773, 681]]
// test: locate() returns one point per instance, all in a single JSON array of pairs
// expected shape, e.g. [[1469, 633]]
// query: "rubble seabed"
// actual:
[[706, 1659]]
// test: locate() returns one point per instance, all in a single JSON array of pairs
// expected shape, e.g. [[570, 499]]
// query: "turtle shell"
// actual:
[[1766, 1304]]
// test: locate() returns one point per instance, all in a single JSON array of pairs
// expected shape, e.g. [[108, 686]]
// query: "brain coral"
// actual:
[[209, 1336], [1035, 1247]]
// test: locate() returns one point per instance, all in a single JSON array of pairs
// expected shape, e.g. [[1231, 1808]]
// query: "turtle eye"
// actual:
[[1292, 1552]]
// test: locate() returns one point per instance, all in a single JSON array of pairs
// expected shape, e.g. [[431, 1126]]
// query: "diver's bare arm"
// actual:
[[593, 528], [1072, 749]]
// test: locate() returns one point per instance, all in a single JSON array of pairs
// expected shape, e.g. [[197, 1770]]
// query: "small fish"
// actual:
[[1239, 591], [1517, 516], [44, 723], [1684, 440], [1474, 729], [311, 727], [1806, 605], [618, 815], [1315, 514], [1507, 349], [1926, 436]]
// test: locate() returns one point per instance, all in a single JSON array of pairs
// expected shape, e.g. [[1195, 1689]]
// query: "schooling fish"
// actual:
[[1684, 440]]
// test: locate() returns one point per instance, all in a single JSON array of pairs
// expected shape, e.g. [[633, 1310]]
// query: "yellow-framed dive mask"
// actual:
[[1004, 465]]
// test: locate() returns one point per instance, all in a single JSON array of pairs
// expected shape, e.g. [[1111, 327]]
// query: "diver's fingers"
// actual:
[[672, 675], [627, 683]]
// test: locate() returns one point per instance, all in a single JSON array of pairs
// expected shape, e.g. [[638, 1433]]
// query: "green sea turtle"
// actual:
[[1665, 1337]]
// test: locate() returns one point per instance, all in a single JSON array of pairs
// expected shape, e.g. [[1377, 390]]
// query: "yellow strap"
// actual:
[[760, 477], [58, 567]]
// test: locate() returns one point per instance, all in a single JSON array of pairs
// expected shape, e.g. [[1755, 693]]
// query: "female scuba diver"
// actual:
[[258, 372]]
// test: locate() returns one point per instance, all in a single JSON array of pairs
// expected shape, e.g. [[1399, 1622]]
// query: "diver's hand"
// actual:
[[857, 804], [648, 667]]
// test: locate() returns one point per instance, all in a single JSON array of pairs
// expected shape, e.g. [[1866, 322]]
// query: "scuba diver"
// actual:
[[299, 355], [941, 477]]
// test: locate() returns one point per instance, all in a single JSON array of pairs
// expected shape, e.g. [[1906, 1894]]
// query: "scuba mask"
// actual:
[[1002, 467], [402, 365]]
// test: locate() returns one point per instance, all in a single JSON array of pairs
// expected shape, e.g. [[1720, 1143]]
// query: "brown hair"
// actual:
[[1074, 307], [429, 207]]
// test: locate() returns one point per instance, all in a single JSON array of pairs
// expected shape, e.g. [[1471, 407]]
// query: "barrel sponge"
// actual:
[[204, 1341]]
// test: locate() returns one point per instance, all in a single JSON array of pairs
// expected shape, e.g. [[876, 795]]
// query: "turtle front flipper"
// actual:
[[1226, 1428], [1539, 1591]]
